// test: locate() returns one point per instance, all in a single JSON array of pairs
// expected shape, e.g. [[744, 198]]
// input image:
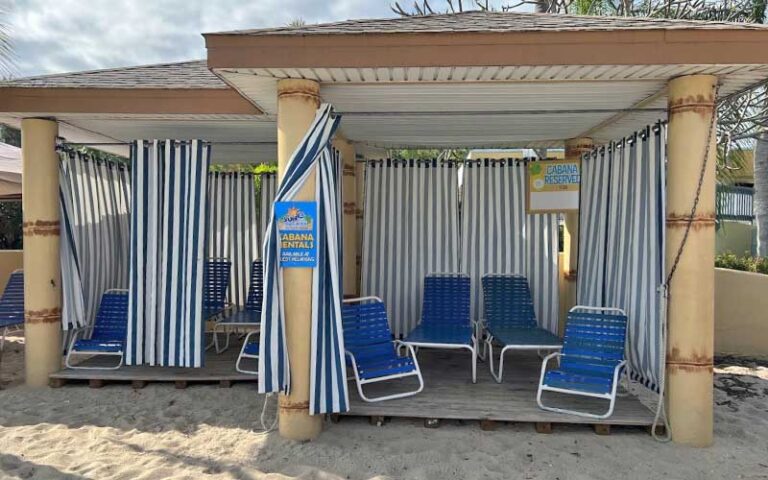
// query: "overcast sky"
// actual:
[[50, 36]]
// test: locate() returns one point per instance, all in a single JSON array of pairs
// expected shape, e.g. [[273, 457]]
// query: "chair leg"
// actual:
[[496, 376]]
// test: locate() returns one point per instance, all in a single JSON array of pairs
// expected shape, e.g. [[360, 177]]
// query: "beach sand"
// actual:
[[206, 432]]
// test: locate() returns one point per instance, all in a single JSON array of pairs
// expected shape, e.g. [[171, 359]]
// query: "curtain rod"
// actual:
[[501, 112]]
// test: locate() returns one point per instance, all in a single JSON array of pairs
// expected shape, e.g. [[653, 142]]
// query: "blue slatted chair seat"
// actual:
[[111, 320], [242, 316], [448, 334], [513, 335], [256, 291], [579, 383], [446, 300], [251, 348], [93, 345], [12, 301], [385, 366]]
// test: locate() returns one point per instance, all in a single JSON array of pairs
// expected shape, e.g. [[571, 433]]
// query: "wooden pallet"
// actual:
[[449, 394], [218, 369]]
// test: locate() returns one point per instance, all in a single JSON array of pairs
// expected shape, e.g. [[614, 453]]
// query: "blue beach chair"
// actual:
[[445, 316], [249, 350], [510, 319], [107, 332], [592, 359], [216, 276], [247, 317], [12, 305], [370, 349]]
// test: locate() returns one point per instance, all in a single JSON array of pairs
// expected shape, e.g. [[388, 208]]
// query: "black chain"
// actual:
[[695, 206]]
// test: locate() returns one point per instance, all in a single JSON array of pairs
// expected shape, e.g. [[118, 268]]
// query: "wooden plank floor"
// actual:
[[449, 394], [217, 368]]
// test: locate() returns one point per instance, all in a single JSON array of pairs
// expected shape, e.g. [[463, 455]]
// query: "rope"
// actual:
[[665, 288]]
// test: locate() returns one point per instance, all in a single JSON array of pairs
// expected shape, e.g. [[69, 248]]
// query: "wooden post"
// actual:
[[691, 136], [297, 103], [349, 223], [574, 149], [42, 271]]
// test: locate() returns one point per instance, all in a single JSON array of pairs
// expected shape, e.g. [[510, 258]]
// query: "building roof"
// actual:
[[494, 22], [180, 75]]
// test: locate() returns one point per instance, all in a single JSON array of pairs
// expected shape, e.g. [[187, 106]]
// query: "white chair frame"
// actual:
[[78, 333], [244, 355]]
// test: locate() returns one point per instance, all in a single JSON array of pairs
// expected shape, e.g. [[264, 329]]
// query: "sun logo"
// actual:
[[293, 212]]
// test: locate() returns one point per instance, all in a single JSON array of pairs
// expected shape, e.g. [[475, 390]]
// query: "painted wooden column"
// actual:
[[42, 270], [360, 208], [690, 343], [297, 103], [349, 222], [574, 149]]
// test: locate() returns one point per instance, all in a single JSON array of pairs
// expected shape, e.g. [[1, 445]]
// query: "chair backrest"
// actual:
[[507, 301], [215, 283], [594, 341], [256, 290], [365, 324], [12, 301], [446, 299], [111, 320]]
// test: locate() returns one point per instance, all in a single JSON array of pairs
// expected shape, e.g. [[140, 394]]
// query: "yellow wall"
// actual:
[[735, 237], [10, 260], [741, 322]]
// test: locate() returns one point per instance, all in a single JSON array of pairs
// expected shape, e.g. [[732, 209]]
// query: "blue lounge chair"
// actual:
[[12, 305], [370, 349], [248, 317], [215, 284], [249, 350], [592, 359], [445, 316], [107, 332], [510, 320]]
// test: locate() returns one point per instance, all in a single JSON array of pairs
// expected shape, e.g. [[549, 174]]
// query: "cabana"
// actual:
[[471, 80]]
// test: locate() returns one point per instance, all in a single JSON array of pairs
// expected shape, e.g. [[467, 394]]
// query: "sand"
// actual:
[[207, 432]]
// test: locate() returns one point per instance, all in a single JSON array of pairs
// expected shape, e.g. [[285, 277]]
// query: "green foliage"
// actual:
[[10, 135], [10, 225], [745, 263]]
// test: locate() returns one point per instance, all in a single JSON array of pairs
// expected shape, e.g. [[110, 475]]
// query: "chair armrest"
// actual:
[[549, 357]]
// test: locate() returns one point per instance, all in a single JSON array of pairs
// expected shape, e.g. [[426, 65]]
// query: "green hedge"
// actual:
[[745, 264]]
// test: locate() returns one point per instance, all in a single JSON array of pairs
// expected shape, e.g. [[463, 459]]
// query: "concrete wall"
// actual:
[[10, 260], [741, 313], [735, 237]]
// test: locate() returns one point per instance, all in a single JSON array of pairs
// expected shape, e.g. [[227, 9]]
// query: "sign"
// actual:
[[553, 186], [297, 232]]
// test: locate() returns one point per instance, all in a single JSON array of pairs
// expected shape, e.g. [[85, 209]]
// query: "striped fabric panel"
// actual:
[[94, 202], [267, 191], [328, 385], [233, 227], [168, 221], [410, 230], [498, 236], [328, 374], [632, 241]]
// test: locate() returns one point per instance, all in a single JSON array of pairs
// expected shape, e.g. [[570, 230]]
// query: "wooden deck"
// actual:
[[449, 394], [218, 369]]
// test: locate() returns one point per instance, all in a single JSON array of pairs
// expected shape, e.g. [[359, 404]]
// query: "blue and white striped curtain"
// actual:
[[411, 229], [328, 383], [94, 199], [621, 261], [167, 252], [498, 236], [267, 191], [233, 227]]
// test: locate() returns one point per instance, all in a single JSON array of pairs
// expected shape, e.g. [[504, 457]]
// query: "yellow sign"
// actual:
[[553, 186]]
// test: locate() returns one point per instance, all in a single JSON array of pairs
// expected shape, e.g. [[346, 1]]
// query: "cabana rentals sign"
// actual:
[[297, 231], [553, 186]]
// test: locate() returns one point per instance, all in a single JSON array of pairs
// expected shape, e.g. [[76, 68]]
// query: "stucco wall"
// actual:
[[10, 260], [735, 237], [741, 313]]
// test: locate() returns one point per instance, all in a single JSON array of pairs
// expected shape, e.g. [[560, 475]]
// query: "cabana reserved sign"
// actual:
[[297, 231], [553, 186]]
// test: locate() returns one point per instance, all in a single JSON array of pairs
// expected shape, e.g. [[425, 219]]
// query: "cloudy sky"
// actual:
[[50, 36]]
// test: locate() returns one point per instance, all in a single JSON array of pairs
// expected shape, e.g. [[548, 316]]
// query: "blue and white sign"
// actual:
[[297, 231]]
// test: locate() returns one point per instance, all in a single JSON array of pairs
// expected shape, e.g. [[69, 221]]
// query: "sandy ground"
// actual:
[[206, 432]]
